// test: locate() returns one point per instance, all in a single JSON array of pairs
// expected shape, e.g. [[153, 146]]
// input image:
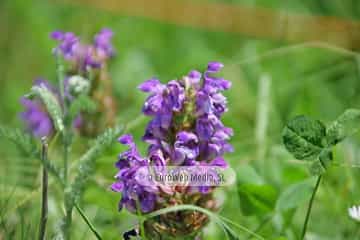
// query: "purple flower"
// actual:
[[102, 44], [35, 116], [164, 99], [186, 148], [133, 192], [37, 120], [157, 128], [214, 66], [195, 77], [185, 130], [68, 42], [84, 56]]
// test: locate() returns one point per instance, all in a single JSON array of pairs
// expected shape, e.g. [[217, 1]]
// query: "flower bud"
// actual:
[[78, 85]]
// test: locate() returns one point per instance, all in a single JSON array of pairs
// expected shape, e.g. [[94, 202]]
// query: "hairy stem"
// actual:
[[68, 209], [310, 207], [44, 204], [65, 158]]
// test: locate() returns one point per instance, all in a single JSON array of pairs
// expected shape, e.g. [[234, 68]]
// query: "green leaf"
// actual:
[[346, 125], [256, 199], [304, 137], [87, 162], [27, 146], [295, 195], [52, 105], [23, 141]]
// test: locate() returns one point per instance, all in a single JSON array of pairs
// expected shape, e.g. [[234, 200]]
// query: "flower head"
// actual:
[[84, 56], [354, 213], [185, 130], [76, 85]]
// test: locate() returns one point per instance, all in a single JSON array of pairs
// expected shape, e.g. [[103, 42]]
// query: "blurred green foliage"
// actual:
[[317, 82]]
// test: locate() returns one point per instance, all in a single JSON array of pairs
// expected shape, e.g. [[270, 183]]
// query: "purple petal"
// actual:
[[214, 66], [117, 186], [126, 139], [220, 162], [152, 85], [57, 35]]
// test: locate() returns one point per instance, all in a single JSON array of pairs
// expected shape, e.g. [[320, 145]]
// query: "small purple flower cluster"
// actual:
[[85, 56], [35, 116], [185, 130]]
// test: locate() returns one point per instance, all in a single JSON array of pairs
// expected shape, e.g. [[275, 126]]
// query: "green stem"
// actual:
[[310, 207], [44, 203], [68, 211], [68, 220], [65, 158], [87, 221]]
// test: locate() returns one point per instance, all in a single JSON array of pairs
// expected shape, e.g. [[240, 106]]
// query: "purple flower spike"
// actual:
[[185, 130]]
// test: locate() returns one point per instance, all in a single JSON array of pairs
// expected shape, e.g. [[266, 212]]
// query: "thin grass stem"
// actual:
[[88, 223], [44, 201]]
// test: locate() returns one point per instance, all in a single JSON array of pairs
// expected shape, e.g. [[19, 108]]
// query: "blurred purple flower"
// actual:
[[35, 116], [102, 43], [84, 56], [68, 43]]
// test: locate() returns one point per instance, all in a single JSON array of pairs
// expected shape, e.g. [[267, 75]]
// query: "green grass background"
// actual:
[[317, 82]]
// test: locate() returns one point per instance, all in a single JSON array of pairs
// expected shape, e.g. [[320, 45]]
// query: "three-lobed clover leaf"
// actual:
[[308, 139], [304, 138]]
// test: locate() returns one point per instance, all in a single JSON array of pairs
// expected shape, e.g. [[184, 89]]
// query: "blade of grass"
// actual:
[[88, 223], [215, 217]]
